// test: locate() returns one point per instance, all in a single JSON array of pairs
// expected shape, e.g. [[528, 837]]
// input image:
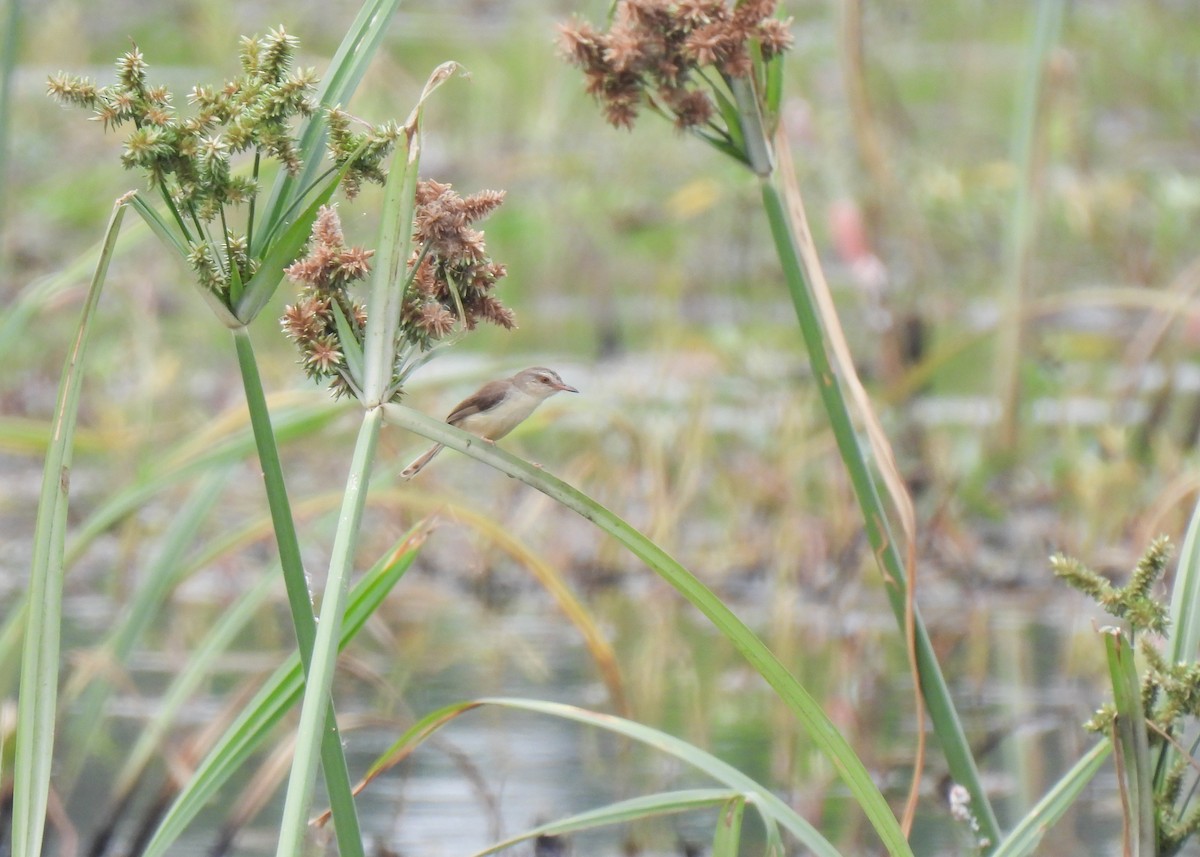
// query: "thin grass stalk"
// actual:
[[1184, 641], [625, 812], [345, 72], [391, 270], [392, 251], [728, 836], [817, 724], [313, 711], [11, 634], [878, 446], [1132, 746], [223, 441], [1011, 335], [773, 811], [201, 662], [547, 575], [753, 131], [163, 573], [337, 775], [758, 148], [37, 700], [278, 695], [1027, 834], [937, 695], [8, 65]]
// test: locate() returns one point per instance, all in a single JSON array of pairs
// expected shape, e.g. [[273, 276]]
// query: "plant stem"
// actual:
[[337, 776], [1010, 337], [250, 211], [758, 149], [937, 696], [315, 711]]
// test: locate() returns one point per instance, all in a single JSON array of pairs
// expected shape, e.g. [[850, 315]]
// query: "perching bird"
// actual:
[[497, 408]]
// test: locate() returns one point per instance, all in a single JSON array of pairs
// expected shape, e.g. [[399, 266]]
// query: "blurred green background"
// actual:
[[640, 268]]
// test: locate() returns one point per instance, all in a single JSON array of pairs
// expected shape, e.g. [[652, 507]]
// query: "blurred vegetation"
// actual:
[[640, 269]]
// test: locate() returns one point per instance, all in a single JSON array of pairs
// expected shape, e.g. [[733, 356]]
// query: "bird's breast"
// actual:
[[506, 415]]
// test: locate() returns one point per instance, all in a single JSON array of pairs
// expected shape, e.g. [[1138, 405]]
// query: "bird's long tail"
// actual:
[[425, 457]]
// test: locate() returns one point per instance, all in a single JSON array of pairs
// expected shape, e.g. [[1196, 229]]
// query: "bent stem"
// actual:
[[933, 685], [333, 759], [819, 727]]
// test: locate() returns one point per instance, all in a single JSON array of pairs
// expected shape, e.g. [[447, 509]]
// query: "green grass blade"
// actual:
[[1133, 745], [342, 77], [750, 120], [770, 806], [623, 812], [11, 634], [1022, 221], [1025, 837], [164, 230], [8, 64], [1184, 641], [198, 667], [816, 722], [314, 710], [727, 840], [337, 776], [351, 350], [394, 248], [390, 269], [736, 147], [190, 460], [773, 97], [942, 712], [162, 575], [36, 706], [279, 694]]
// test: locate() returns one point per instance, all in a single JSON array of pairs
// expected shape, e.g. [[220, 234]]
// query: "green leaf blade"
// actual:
[[36, 704], [282, 691]]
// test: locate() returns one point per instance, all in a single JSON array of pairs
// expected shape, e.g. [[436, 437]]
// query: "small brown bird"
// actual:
[[497, 408]]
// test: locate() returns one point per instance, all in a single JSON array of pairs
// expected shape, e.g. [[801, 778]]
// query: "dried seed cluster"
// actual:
[[451, 278], [326, 274], [454, 276], [660, 49]]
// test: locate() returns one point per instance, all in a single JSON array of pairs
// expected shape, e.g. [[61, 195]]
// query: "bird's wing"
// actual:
[[488, 397]]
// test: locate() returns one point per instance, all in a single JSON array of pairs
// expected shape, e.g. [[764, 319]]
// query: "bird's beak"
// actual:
[[566, 388]]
